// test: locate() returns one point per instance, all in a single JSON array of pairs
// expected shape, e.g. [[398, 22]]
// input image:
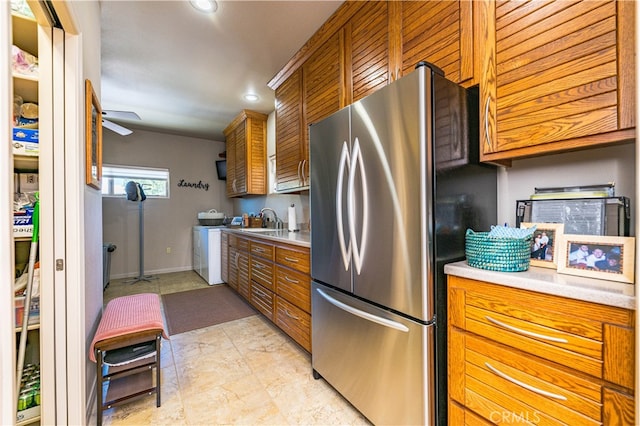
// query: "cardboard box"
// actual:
[[25, 141], [28, 182], [34, 312], [23, 223]]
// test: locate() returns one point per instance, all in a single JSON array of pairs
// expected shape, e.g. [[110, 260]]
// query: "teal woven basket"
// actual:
[[497, 254]]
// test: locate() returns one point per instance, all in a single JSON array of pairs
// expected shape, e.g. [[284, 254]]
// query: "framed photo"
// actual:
[[595, 256], [544, 245], [93, 137]]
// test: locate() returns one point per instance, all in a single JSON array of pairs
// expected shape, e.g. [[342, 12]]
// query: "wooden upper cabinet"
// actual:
[[367, 51], [322, 80], [231, 163], [557, 76], [292, 150], [437, 32], [246, 138]]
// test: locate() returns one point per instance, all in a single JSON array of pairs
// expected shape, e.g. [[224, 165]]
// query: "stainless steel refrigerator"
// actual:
[[395, 182]]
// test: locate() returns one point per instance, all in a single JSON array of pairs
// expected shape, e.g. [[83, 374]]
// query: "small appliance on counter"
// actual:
[[236, 222], [211, 218]]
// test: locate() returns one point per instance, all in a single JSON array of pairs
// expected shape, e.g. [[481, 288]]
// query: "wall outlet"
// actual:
[[168, 250]]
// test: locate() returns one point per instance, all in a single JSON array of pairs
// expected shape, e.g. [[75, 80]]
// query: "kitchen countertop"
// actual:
[[300, 238], [549, 281]]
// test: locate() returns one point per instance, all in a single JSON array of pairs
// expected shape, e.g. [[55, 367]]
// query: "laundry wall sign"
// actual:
[[182, 183]]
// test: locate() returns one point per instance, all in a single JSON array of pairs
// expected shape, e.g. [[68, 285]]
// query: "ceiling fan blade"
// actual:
[[116, 128], [120, 115]]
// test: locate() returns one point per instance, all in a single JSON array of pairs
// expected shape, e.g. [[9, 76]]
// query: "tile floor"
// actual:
[[243, 372]]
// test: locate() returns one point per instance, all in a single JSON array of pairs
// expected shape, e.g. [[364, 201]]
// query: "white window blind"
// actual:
[[154, 181]]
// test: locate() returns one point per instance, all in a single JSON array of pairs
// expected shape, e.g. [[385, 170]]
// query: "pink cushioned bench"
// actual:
[[126, 349]]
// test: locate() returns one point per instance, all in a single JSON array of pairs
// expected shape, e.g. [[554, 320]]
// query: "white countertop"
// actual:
[[549, 281], [300, 238]]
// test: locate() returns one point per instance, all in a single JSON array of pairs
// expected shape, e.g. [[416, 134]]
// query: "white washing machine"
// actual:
[[207, 253]]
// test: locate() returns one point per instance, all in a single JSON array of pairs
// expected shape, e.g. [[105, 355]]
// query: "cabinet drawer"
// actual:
[[591, 338], [295, 322], [296, 259], [517, 382], [262, 299], [263, 250], [294, 286], [262, 272]]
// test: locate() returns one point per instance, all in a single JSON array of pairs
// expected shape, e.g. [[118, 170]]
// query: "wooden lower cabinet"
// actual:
[[238, 265], [274, 278], [517, 356]]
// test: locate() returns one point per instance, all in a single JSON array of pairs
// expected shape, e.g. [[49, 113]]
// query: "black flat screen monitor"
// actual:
[[221, 168]]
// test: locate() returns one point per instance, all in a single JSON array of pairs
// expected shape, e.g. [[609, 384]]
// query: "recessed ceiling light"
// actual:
[[206, 6], [251, 97]]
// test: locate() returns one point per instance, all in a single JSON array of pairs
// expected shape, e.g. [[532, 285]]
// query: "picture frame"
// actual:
[[579, 255], [93, 137], [544, 244]]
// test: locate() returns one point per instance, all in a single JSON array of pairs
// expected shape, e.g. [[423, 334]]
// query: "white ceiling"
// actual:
[[185, 72]]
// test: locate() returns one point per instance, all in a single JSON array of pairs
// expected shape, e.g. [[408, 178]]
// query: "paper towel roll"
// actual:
[[293, 222]]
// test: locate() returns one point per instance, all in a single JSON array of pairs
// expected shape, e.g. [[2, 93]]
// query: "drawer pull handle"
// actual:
[[524, 385], [291, 259], [291, 280], [258, 266], [258, 249], [286, 311], [526, 333], [260, 293]]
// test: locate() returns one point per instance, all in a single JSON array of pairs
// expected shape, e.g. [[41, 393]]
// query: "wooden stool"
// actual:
[[128, 322]]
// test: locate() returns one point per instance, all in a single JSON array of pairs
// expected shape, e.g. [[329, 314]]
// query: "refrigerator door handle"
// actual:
[[357, 163], [362, 314], [344, 161]]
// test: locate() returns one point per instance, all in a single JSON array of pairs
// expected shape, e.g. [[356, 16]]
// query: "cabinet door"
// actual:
[[368, 50], [231, 164], [291, 147], [440, 33], [556, 77], [323, 83], [243, 274], [240, 163], [233, 262]]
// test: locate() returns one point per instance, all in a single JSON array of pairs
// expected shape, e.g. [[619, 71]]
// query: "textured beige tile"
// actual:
[[239, 402]]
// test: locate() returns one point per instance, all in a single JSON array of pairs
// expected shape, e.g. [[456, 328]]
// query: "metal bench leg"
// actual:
[[100, 382], [158, 337]]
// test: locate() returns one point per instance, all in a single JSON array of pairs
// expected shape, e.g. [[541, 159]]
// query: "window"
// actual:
[[155, 182]]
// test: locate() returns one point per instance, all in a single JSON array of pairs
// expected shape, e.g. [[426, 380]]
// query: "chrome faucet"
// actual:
[[278, 223]]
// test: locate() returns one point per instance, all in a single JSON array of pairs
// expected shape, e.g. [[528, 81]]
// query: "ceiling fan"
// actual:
[[118, 115]]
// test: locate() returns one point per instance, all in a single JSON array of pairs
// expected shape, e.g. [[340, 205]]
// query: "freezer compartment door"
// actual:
[[379, 361]]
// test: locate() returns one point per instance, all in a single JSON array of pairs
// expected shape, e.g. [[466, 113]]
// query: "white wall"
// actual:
[[167, 222], [87, 289]]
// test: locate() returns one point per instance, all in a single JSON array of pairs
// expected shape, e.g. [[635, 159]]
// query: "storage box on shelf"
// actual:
[[25, 141]]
